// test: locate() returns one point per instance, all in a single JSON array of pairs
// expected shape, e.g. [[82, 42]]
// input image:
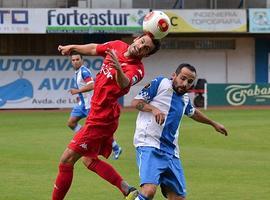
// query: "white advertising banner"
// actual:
[[214, 20], [95, 20], [13, 20], [40, 81]]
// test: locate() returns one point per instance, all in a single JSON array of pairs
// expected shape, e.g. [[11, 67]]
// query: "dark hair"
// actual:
[[72, 53], [181, 66], [156, 48], [156, 43]]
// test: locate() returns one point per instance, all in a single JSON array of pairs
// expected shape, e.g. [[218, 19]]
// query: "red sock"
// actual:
[[63, 181], [107, 172]]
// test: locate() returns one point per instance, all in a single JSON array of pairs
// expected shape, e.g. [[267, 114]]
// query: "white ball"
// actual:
[[157, 24]]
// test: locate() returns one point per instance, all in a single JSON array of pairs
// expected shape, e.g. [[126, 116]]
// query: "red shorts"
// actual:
[[94, 140]]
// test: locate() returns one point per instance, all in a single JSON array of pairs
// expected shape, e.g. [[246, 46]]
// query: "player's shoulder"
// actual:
[[134, 66], [159, 82], [112, 43], [84, 68], [118, 43], [162, 79]]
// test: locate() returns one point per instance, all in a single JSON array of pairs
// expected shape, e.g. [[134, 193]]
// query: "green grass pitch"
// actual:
[[236, 167]]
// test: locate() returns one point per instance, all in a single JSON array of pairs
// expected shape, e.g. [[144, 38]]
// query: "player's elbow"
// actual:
[[123, 83], [137, 103], [134, 103]]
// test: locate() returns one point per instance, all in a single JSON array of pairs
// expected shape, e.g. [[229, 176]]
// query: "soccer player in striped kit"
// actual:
[[162, 104]]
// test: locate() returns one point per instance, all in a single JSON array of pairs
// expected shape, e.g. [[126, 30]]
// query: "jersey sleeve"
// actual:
[[150, 90], [134, 73], [101, 48], [190, 110], [87, 75]]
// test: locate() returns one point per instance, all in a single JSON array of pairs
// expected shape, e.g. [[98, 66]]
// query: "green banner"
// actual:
[[238, 94]]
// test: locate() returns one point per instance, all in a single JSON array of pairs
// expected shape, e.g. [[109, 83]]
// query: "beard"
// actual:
[[176, 89]]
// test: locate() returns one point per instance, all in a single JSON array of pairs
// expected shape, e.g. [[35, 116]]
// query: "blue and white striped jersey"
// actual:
[[160, 94], [83, 76]]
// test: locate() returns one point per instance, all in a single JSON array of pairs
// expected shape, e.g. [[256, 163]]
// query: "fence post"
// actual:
[[205, 96]]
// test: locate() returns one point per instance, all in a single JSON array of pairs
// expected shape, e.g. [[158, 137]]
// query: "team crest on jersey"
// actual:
[[171, 90], [134, 79]]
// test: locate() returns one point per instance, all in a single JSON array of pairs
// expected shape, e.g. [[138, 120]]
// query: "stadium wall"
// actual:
[[216, 66]]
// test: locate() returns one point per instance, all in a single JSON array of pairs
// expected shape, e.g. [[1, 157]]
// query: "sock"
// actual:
[[141, 197], [63, 181], [108, 173], [77, 128], [115, 146]]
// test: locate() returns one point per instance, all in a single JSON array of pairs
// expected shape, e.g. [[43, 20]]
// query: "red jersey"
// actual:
[[104, 105]]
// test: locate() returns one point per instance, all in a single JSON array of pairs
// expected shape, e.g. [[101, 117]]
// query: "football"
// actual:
[[156, 24]]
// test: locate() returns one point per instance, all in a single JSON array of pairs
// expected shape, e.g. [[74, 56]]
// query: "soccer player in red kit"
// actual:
[[121, 68]]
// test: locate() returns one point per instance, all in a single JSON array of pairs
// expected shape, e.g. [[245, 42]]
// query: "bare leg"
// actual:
[[172, 195], [73, 123]]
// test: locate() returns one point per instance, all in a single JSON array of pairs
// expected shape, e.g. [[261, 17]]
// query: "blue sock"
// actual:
[[115, 146], [141, 197]]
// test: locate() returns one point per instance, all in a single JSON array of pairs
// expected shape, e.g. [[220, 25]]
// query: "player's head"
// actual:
[[76, 59], [143, 46], [183, 78]]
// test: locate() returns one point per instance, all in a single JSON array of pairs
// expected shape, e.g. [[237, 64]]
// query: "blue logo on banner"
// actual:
[[16, 90]]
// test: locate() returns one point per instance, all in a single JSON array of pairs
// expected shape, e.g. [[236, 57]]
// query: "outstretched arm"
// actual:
[[141, 105], [200, 117], [86, 49]]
